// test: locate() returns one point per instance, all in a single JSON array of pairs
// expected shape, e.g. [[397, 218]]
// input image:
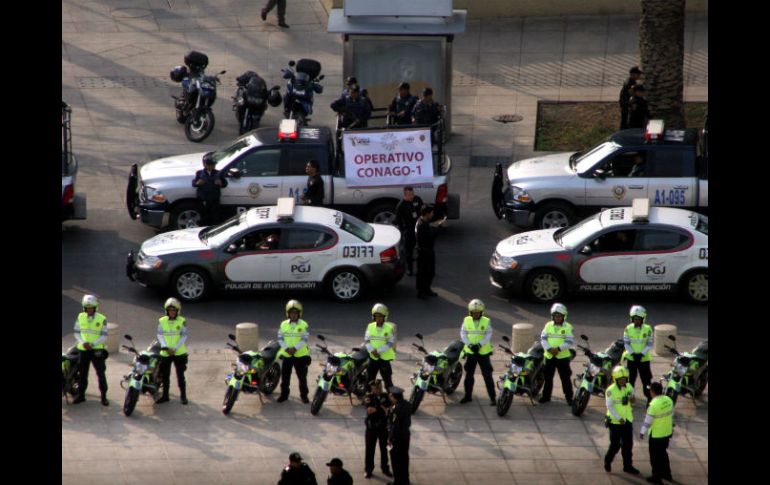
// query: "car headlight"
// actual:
[[148, 262], [153, 194], [503, 262], [520, 195]]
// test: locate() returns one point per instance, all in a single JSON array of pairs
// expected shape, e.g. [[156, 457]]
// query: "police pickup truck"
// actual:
[[73, 204], [266, 164], [669, 167]]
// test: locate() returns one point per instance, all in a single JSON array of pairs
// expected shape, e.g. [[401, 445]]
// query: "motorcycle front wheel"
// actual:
[[580, 402], [318, 400], [416, 398], [454, 379], [198, 128], [703, 381], [271, 379], [230, 396], [132, 395], [504, 402], [539, 382], [672, 394]]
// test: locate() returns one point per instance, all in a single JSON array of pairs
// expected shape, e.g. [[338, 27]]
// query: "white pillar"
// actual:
[[523, 337], [112, 343], [662, 332], [247, 335]]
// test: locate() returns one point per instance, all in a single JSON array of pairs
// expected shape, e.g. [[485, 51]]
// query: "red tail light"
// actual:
[[389, 255], [441, 194], [69, 194]]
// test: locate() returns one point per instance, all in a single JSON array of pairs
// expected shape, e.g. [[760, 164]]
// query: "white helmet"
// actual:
[[172, 303], [381, 309], [476, 305], [638, 311], [559, 308], [90, 301]]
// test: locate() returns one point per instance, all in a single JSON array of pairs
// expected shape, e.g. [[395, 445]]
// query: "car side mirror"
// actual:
[[231, 249], [600, 174], [234, 173], [586, 250]]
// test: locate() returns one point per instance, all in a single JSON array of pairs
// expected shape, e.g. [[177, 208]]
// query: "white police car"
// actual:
[[623, 249], [279, 247]]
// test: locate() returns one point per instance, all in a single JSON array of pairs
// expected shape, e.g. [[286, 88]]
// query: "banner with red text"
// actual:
[[383, 158]]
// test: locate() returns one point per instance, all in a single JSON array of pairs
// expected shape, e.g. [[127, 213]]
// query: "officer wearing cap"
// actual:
[[638, 111], [402, 105], [399, 421], [339, 476], [209, 183], [297, 472], [377, 405], [625, 95], [660, 423], [427, 112]]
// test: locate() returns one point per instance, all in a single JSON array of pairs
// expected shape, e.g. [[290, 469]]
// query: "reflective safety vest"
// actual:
[[556, 335], [291, 335], [476, 330], [379, 337], [638, 338], [616, 394], [91, 330], [172, 333], [662, 411]]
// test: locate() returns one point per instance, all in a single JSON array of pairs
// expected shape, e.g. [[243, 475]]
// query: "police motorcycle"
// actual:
[[251, 99], [689, 372], [300, 86], [144, 377], [343, 374], [254, 373], [597, 375], [70, 372], [439, 373], [524, 375], [199, 92]]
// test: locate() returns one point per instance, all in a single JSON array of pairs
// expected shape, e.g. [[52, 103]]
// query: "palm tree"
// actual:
[[661, 48]]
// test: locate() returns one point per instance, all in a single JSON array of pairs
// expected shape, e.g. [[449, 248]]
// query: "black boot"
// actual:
[[105, 402], [163, 398], [283, 397], [79, 399], [466, 399], [184, 397]]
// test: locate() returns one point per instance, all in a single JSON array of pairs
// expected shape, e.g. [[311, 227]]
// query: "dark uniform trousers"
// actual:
[[486, 370], [281, 8], [551, 365], [661, 468], [409, 241], [97, 357], [643, 368], [300, 364], [621, 438], [426, 270], [399, 457], [180, 365], [376, 434], [210, 211], [385, 370]]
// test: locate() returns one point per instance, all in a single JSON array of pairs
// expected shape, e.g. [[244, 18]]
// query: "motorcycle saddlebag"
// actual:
[[310, 67], [178, 73], [195, 59]]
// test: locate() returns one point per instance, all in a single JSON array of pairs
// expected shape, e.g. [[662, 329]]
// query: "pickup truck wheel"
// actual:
[[695, 286], [346, 284], [384, 213], [554, 214], [544, 285], [186, 215], [191, 285]]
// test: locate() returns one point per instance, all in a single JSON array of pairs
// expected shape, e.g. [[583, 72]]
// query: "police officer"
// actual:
[[556, 339], [339, 476], [354, 109], [399, 421], [426, 111], [297, 472], [476, 334], [625, 95], [91, 332], [407, 213], [619, 398], [638, 111], [172, 334], [379, 343], [426, 257], [209, 183], [292, 336], [377, 405], [401, 107], [638, 340], [660, 423], [314, 192]]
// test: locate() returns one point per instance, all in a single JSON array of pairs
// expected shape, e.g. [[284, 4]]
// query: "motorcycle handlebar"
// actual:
[[671, 349], [420, 348], [507, 350]]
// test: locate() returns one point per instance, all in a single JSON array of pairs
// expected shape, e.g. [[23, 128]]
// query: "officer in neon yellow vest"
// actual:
[[556, 339], [619, 398], [660, 423], [292, 336], [379, 341], [91, 332], [172, 333], [476, 334], [638, 340]]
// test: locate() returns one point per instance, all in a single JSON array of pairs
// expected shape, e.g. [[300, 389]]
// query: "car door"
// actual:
[[293, 161], [672, 177], [253, 179], [306, 252], [612, 257], [663, 252], [612, 185], [254, 258]]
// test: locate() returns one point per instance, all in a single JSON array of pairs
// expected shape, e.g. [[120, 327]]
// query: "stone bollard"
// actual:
[[523, 337], [112, 343], [247, 335], [662, 332]]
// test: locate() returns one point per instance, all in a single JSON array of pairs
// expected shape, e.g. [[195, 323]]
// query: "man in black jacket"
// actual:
[[399, 421], [402, 105], [314, 193], [377, 404], [638, 111], [407, 213], [339, 476], [353, 108], [297, 472], [625, 95], [209, 183], [426, 257]]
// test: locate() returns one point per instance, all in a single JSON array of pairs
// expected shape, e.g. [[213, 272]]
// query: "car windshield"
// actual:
[[571, 237], [216, 236], [225, 155], [356, 227], [595, 155], [700, 222]]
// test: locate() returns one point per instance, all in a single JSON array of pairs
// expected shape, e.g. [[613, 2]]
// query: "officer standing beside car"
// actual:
[[625, 95], [426, 257], [407, 213], [292, 336], [556, 339], [476, 334], [314, 192], [209, 183], [638, 341], [172, 334]]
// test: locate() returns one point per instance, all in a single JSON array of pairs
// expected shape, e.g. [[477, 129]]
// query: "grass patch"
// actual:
[[576, 126]]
